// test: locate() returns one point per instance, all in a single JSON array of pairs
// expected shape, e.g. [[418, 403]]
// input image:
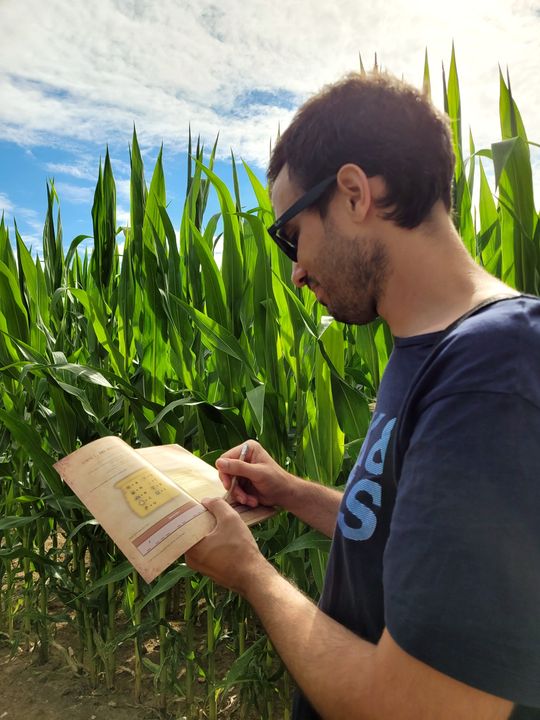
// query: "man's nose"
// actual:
[[298, 275]]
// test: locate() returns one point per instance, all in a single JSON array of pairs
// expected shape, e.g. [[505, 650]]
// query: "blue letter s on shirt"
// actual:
[[362, 513]]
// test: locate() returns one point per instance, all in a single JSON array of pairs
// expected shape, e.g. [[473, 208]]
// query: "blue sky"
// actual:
[[75, 76]]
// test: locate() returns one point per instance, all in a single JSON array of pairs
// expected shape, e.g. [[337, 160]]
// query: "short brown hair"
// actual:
[[384, 126]]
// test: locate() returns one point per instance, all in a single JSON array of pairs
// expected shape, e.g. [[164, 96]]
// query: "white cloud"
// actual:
[[28, 224], [107, 64], [241, 70], [34, 243], [122, 216], [78, 194], [6, 206], [122, 187], [30, 218], [27, 220], [80, 170]]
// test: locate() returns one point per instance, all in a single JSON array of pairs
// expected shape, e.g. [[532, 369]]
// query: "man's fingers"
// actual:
[[233, 466], [218, 507], [235, 451]]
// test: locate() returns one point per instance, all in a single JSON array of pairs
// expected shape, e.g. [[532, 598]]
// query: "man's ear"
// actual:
[[354, 185]]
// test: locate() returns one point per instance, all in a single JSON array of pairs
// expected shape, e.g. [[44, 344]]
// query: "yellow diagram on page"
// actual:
[[144, 492]]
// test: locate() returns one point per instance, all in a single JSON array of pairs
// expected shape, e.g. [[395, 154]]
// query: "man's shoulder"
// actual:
[[494, 350], [500, 327]]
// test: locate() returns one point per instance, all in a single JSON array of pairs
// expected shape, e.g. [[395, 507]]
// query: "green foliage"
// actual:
[[149, 338]]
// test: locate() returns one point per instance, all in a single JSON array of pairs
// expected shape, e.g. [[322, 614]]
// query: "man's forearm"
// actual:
[[314, 504], [344, 676], [313, 647]]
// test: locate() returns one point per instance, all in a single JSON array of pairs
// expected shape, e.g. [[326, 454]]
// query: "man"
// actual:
[[448, 627]]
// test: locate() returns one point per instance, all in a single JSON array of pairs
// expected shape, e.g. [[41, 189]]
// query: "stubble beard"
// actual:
[[359, 277]]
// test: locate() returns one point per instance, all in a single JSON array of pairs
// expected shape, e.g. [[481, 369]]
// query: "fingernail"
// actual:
[[224, 464]]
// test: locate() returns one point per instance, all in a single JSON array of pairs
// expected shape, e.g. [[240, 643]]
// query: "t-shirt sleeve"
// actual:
[[462, 563]]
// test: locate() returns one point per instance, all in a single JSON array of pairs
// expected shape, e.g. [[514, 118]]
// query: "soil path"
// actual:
[[53, 691]]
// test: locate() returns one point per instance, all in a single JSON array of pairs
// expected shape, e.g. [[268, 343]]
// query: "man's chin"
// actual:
[[339, 316], [351, 318]]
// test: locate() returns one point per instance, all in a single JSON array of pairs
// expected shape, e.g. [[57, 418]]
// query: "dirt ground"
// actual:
[[55, 691]]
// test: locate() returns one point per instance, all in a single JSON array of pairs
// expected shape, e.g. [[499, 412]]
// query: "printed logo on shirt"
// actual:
[[363, 494]]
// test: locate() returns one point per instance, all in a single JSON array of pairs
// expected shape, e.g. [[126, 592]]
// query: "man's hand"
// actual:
[[261, 481], [229, 554], [267, 482]]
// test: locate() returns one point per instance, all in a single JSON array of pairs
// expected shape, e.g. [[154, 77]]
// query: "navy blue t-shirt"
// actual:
[[449, 557]]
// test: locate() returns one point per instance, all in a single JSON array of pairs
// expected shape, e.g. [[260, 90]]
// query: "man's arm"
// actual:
[[316, 505], [342, 675], [269, 484]]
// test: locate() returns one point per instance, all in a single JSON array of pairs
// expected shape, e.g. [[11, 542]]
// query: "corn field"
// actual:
[[146, 337]]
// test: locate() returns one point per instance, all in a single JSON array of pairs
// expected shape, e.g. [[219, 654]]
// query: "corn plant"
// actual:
[[161, 344]]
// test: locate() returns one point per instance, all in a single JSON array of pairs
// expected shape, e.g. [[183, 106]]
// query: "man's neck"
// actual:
[[432, 279]]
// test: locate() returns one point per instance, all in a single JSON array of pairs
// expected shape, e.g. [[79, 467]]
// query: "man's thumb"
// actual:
[[218, 507]]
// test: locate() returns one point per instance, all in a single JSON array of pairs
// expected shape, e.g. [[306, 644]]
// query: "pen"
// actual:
[[243, 454]]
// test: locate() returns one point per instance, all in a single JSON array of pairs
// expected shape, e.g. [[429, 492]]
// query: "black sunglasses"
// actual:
[[277, 232]]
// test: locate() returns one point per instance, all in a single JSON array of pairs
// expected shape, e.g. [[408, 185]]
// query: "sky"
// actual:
[[77, 75]]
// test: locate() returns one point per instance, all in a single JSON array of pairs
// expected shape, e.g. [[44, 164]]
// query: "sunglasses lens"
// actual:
[[287, 245], [283, 242]]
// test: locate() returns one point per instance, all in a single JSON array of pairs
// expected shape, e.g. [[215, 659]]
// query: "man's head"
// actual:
[[364, 159], [384, 126]]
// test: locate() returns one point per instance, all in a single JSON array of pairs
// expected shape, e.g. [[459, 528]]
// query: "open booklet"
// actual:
[[148, 500]]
